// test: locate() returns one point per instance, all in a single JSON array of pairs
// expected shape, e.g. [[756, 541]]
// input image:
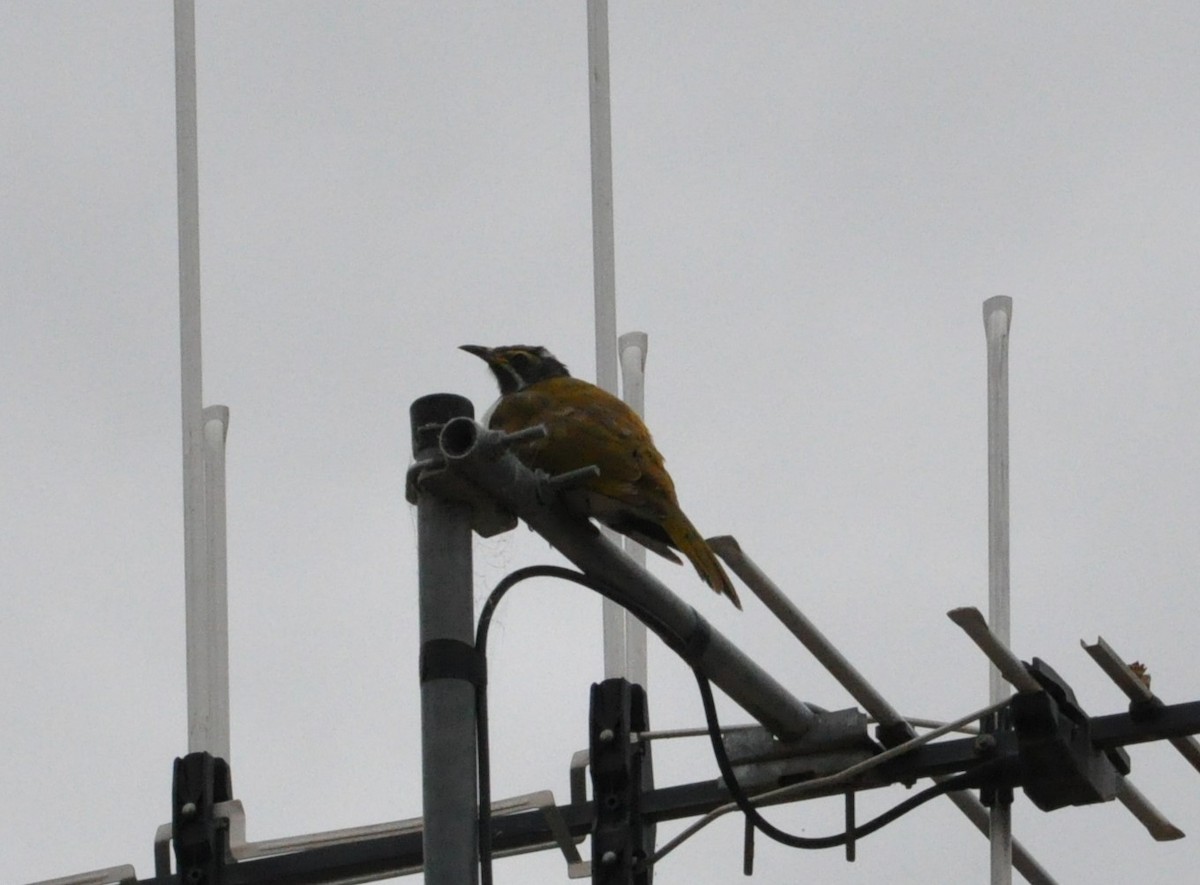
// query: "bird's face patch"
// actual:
[[517, 366]]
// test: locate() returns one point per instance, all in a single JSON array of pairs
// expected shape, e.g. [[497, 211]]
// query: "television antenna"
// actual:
[[464, 479]]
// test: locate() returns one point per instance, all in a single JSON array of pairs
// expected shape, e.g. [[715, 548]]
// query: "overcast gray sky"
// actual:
[[812, 201]]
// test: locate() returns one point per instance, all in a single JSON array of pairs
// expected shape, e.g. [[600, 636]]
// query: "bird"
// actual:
[[633, 493]]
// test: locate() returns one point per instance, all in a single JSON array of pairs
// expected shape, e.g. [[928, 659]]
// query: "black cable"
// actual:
[[959, 782], [483, 754], [962, 781]]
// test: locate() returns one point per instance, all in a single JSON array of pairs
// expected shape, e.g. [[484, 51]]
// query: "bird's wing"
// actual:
[[633, 493], [589, 426]]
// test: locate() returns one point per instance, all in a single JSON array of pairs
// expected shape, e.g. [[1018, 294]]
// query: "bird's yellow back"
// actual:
[[586, 426]]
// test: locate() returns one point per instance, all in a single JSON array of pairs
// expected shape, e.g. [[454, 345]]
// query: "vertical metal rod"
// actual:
[[216, 639], [1026, 863], [997, 320], [633, 347], [202, 712], [603, 237], [604, 276], [446, 619]]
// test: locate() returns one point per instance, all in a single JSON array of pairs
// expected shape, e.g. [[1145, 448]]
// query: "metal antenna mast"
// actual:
[[465, 479]]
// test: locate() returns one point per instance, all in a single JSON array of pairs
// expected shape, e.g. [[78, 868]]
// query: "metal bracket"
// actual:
[[620, 772], [430, 416], [543, 801], [838, 740], [1059, 765], [201, 839]]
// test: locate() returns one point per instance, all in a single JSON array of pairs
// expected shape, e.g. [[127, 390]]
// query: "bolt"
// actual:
[[606, 736], [985, 743], [608, 858], [188, 809]]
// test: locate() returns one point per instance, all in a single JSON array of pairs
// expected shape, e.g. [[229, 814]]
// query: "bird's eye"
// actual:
[[521, 360]]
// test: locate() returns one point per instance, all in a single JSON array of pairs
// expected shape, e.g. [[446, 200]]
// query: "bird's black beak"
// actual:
[[484, 353]]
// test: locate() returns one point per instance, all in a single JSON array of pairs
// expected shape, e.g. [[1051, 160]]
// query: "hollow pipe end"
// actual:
[[428, 414], [458, 437]]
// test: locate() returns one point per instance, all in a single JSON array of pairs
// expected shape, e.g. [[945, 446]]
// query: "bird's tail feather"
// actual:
[[686, 538]]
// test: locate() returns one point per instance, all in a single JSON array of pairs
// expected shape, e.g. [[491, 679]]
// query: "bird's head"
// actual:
[[516, 366]]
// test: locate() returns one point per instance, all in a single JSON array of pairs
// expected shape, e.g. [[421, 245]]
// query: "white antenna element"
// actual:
[[603, 237], [997, 319], [1004, 662], [207, 640], [616, 619], [633, 347], [216, 638]]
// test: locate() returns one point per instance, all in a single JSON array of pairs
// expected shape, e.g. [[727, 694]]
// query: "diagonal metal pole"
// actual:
[[789, 614], [1140, 695], [997, 320], [1137, 691], [1004, 662], [477, 455], [894, 728]]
